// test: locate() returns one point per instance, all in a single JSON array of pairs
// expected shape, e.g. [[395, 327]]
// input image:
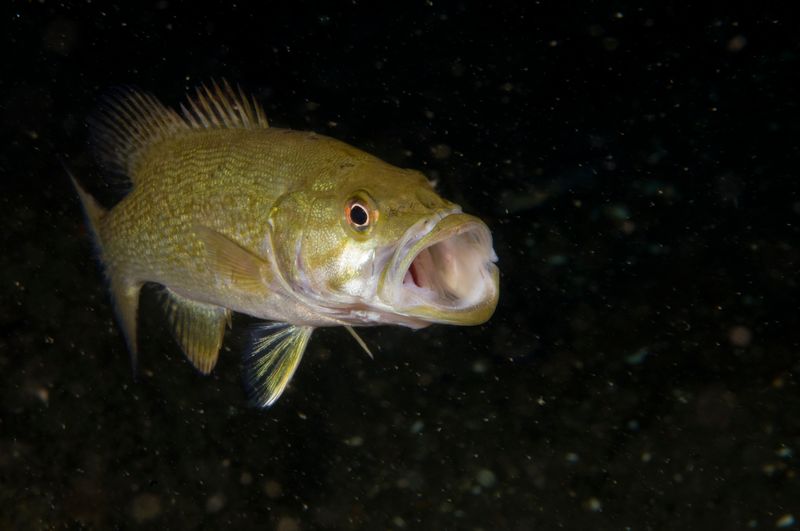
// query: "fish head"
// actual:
[[382, 247]]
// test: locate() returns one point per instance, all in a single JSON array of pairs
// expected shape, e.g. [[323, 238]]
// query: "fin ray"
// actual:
[[360, 341], [232, 262], [129, 121], [199, 328], [272, 358], [125, 298], [218, 106], [124, 293]]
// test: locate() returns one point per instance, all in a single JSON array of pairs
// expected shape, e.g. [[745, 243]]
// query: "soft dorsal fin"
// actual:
[[126, 123], [129, 121]]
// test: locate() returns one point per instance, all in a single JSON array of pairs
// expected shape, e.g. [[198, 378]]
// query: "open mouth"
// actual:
[[447, 273]]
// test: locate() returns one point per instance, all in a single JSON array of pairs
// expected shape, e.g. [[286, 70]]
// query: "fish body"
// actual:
[[229, 214]]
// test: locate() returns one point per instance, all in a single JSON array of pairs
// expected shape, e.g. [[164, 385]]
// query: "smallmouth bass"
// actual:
[[229, 215]]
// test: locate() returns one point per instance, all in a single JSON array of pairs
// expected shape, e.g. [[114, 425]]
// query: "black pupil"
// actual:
[[358, 215]]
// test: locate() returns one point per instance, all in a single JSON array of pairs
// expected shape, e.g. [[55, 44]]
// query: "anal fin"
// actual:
[[270, 362], [198, 328]]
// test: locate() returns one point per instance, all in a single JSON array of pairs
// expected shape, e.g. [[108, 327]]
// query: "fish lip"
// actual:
[[452, 236]]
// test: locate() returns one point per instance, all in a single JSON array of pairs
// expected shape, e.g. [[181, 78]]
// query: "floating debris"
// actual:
[[354, 441], [145, 507], [737, 43], [784, 452], [740, 336], [441, 151], [215, 503], [479, 366], [486, 478], [273, 489], [638, 357], [594, 505], [288, 523]]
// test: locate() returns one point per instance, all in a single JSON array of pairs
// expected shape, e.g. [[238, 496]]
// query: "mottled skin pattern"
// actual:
[[256, 186], [291, 227]]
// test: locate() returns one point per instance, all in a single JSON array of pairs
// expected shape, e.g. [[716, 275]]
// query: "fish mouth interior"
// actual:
[[449, 271]]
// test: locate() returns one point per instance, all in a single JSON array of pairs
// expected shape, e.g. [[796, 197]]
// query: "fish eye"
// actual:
[[360, 213], [359, 217]]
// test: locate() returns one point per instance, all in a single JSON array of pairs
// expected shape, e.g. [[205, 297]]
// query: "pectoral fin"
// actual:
[[230, 261], [274, 354], [198, 328]]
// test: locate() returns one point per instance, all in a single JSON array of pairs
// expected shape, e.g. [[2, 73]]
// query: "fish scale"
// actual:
[[228, 214]]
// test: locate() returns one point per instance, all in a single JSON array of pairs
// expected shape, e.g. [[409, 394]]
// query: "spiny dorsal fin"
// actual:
[[275, 352], [222, 107], [129, 121], [198, 327]]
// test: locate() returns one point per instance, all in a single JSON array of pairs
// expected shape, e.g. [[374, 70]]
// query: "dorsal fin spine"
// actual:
[[129, 123], [244, 104], [216, 101]]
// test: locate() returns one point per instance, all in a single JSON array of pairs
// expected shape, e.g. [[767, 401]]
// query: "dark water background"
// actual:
[[638, 168]]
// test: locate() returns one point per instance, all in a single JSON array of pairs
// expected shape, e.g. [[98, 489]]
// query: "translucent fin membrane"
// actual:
[[274, 353]]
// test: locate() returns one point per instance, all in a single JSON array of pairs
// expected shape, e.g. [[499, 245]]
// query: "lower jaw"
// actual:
[[473, 315], [420, 315]]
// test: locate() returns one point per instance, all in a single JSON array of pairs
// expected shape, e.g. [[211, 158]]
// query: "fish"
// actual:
[[298, 230]]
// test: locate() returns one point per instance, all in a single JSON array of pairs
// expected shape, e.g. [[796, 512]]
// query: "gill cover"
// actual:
[[324, 259]]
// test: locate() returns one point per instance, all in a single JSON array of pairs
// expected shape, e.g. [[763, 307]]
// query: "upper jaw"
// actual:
[[442, 271]]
